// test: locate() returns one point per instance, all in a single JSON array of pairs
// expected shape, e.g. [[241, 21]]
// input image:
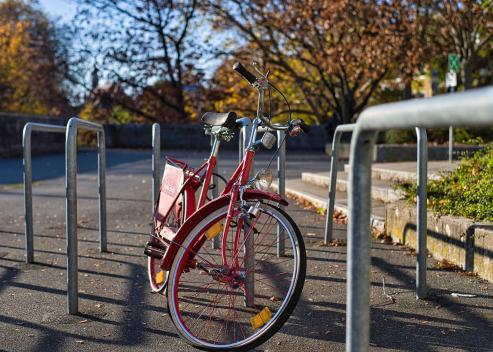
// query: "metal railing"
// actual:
[[28, 180], [422, 171], [71, 199], [156, 159], [471, 108]]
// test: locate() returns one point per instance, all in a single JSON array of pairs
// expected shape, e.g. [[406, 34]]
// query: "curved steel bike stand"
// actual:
[[470, 108], [71, 199]]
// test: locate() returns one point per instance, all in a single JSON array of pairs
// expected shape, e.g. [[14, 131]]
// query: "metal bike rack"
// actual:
[[249, 241], [281, 185], [421, 212], [215, 194], [28, 180], [281, 172], [421, 221], [71, 198], [470, 108], [334, 159], [156, 159]]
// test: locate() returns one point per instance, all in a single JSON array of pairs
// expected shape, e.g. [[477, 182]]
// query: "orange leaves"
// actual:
[[29, 66]]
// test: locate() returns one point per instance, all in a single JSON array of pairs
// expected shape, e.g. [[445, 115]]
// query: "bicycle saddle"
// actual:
[[226, 119]]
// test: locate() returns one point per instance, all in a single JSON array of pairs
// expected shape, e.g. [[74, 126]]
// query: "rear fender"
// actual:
[[192, 221]]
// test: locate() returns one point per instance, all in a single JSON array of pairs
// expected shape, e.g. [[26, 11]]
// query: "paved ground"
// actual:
[[119, 313]]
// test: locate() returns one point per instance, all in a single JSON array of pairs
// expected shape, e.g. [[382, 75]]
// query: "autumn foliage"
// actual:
[[169, 61], [31, 64]]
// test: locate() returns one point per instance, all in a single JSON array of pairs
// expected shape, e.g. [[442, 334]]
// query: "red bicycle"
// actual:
[[236, 295]]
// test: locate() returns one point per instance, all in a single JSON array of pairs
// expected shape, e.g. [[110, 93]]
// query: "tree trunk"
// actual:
[[466, 74], [408, 91]]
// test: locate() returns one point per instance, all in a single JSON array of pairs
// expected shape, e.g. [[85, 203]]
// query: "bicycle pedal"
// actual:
[[261, 318], [214, 230]]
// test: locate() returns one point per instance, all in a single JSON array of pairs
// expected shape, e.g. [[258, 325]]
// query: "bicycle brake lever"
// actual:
[[295, 131]]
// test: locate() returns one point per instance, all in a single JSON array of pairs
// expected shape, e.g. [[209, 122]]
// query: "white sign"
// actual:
[[451, 79]]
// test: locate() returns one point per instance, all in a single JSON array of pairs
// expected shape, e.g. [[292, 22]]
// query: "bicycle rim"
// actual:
[[209, 310]]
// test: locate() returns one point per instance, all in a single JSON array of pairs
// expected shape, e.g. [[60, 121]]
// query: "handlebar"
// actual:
[[301, 124], [294, 127], [250, 77]]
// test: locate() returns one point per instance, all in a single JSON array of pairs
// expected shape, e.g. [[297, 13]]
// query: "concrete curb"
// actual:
[[377, 222], [381, 191]]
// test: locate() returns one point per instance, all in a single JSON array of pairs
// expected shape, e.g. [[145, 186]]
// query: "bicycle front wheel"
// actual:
[[237, 307]]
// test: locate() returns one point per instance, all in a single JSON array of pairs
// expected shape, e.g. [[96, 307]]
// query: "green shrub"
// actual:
[[440, 136], [467, 192]]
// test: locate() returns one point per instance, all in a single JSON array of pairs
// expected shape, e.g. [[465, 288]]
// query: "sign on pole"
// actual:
[[451, 79], [453, 62]]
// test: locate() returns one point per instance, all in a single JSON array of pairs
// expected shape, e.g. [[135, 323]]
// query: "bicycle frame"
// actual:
[[234, 190]]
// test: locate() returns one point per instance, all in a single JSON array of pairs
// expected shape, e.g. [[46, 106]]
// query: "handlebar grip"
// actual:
[[301, 124], [304, 127], [250, 77]]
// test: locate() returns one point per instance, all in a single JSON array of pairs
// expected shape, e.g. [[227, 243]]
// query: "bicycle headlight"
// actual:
[[263, 180]]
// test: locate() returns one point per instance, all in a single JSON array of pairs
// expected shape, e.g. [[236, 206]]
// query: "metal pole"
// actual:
[[28, 193], [156, 158], [241, 146], [358, 260], [103, 246], [421, 218], [450, 143], [71, 199], [281, 182], [329, 220], [334, 160], [28, 178], [470, 108], [249, 247], [215, 194]]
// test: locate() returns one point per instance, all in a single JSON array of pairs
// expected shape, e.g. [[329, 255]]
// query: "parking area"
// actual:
[[118, 312]]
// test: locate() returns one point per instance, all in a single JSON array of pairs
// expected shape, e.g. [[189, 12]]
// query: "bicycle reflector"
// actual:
[[261, 318], [214, 230], [263, 179], [159, 278]]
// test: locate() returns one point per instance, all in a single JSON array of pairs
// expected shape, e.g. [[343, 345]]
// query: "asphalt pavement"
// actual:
[[118, 312]]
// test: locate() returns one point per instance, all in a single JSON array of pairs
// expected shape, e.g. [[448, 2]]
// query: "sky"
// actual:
[[65, 9]]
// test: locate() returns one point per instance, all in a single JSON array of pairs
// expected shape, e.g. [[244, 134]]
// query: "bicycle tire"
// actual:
[[278, 318]]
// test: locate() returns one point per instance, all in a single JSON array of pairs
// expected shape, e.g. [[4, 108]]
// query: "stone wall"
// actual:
[[459, 240], [11, 126], [191, 136], [173, 136]]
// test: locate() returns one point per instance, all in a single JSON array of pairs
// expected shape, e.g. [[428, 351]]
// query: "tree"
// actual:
[[465, 27], [32, 61], [145, 46], [335, 51], [229, 92]]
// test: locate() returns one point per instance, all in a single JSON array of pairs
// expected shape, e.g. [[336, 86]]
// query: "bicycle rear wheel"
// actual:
[[208, 303]]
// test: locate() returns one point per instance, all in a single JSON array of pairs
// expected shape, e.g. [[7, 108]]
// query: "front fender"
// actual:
[[192, 221]]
